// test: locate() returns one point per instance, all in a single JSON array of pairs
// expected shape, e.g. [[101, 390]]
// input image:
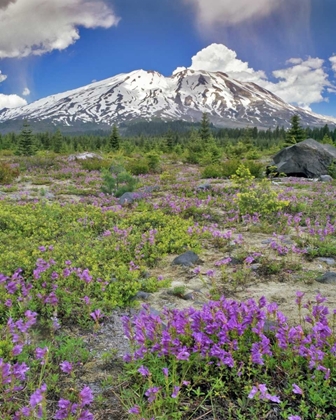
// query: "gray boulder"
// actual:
[[187, 259], [328, 278], [308, 159], [127, 198]]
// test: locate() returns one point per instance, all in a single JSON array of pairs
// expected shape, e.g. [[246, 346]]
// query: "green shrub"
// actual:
[[95, 164], [230, 167], [212, 171], [139, 167], [8, 173]]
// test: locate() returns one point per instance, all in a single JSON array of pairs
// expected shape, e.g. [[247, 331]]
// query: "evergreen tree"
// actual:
[[296, 133], [57, 141], [114, 138], [26, 141], [204, 131], [169, 141]]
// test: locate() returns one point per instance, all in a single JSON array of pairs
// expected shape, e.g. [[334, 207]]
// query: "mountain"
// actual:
[[148, 95]]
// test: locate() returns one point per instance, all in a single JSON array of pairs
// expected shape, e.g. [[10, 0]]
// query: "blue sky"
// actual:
[[49, 46]]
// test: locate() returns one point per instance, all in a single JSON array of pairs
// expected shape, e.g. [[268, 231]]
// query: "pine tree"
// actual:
[[26, 141], [57, 141], [204, 131], [169, 141], [114, 138], [296, 133]]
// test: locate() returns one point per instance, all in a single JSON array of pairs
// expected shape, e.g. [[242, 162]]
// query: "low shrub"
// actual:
[[95, 164], [8, 173]]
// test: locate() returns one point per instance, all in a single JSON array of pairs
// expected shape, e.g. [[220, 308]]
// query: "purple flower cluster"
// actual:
[[221, 329]]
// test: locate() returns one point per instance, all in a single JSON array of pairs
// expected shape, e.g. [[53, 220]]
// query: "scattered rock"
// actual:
[[142, 295], [84, 156], [126, 199], [255, 267], [328, 278], [195, 284], [329, 261], [187, 259], [188, 296], [204, 187], [325, 178], [235, 261]]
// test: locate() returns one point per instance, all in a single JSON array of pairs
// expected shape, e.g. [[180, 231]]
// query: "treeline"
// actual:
[[177, 137]]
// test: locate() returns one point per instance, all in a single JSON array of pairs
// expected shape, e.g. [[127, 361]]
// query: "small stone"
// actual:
[[255, 267], [142, 295], [235, 261], [328, 278], [188, 296], [187, 259], [204, 187], [329, 261], [325, 178]]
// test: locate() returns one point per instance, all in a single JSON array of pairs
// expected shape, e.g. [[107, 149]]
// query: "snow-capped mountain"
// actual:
[[148, 95]]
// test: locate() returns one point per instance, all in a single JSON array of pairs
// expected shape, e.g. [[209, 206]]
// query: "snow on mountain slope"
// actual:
[[148, 95]]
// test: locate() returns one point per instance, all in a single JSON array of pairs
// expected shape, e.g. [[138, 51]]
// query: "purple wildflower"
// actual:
[[297, 389], [66, 367], [86, 396]]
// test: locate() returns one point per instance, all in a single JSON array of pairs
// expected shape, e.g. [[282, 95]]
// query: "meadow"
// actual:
[[96, 322]]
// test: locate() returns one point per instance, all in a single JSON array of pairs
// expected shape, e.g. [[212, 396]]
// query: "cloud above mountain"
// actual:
[[11, 101], [36, 27], [232, 12], [301, 82]]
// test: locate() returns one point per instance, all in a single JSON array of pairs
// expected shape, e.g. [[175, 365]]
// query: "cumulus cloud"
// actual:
[[302, 82], [232, 12], [218, 57], [35, 27], [11, 101], [26, 92]]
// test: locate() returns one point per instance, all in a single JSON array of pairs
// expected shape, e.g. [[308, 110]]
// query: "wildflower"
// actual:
[[165, 371], [86, 396], [294, 418], [66, 367], [151, 393], [175, 392], [40, 353], [143, 371], [297, 389], [96, 315], [37, 396], [134, 410]]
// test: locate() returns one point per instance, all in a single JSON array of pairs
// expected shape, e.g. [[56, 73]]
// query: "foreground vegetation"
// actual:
[[70, 255]]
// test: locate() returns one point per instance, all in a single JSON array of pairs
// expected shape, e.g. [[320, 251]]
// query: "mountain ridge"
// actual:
[[148, 95]]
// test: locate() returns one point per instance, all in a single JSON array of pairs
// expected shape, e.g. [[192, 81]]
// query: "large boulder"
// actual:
[[308, 159]]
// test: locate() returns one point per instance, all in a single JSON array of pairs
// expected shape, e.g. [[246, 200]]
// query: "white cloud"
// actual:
[[26, 92], [11, 101], [302, 82], [35, 27], [333, 62], [218, 57], [232, 12], [2, 77]]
